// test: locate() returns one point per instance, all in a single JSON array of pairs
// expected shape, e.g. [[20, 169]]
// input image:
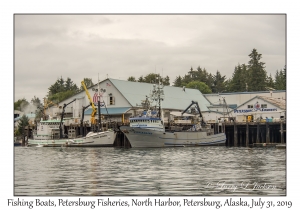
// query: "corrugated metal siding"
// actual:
[[175, 97], [111, 111]]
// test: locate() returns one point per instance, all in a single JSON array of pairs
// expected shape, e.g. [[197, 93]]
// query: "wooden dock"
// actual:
[[245, 134], [254, 133]]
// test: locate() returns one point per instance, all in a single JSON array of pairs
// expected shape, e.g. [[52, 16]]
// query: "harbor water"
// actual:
[[180, 171]]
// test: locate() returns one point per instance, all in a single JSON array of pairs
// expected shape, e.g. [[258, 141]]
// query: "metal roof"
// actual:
[[179, 114], [111, 111], [280, 103], [53, 120], [239, 93], [175, 97], [30, 116]]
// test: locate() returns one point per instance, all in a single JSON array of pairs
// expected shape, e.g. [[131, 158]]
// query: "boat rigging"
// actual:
[[197, 106], [62, 117]]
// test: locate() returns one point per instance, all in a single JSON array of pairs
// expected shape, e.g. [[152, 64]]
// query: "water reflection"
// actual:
[[209, 171]]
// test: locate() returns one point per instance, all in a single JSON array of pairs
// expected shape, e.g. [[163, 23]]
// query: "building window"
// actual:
[[264, 106], [111, 100], [250, 106]]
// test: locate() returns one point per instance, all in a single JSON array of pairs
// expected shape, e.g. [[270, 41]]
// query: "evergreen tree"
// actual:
[[151, 78], [61, 84], [218, 83], [141, 79], [131, 78], [20, 104], [57, 87], [239, 79], [166, 81], [178, 82], [280, 80], [270, 82], [61, 90], [192, 74], [23, 122], [186, 80], [69, 85], [201, 75], [257, 72]]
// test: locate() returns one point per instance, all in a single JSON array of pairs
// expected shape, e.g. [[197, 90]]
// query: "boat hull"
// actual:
[[139, 137], [101, 139]]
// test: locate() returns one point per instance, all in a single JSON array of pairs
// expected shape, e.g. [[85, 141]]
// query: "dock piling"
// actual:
[[235, 135], [267, 133], [257, 134], [247, 134]]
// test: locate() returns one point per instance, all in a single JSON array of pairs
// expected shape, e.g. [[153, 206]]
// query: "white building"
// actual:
[[123, 99], [261, 107], [238, 101]]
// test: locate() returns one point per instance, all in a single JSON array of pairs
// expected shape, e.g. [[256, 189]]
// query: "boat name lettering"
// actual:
[[254, 110], [100, 136], [142, 132], [138, 125]]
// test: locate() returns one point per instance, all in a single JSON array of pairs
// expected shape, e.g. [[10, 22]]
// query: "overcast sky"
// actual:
[[48, 47], [37, 50]]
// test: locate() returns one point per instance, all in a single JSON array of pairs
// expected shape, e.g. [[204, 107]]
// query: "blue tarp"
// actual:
[[111, 111]]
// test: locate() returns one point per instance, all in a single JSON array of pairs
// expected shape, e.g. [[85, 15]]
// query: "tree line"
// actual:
[[246, 77], [57, 92]]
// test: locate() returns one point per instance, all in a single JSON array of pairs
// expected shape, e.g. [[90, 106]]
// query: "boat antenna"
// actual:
[[99, 109], [155, 75]]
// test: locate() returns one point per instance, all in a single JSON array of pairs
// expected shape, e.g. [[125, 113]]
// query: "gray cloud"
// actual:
[[79, 46]]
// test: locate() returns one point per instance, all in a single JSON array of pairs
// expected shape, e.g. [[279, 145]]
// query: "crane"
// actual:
[[81, 122], [197, 105], [62, 117], [91, 103], [46, 105]]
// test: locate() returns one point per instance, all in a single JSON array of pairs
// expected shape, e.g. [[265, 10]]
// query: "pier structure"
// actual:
[[238, 134], [254, 133]]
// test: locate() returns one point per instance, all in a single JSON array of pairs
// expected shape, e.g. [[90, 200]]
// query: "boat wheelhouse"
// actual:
[[47, 129], [152, 123]]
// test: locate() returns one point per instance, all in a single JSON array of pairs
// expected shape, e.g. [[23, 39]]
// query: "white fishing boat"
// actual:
[[148, 131], [48, 135]]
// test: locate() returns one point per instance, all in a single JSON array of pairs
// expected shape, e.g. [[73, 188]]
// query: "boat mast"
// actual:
[[159, 108], [99, 111], [157, 94]]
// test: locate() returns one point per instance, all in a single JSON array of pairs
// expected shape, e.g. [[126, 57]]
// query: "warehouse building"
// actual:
[[122, 99]]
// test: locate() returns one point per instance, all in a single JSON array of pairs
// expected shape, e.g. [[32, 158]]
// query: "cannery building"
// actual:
[[120, 100]]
